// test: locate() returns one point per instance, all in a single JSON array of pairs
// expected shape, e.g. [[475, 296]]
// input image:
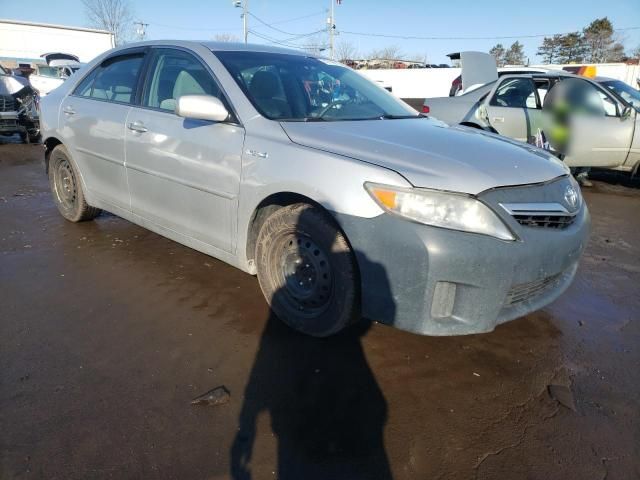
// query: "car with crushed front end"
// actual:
[[344, 201]]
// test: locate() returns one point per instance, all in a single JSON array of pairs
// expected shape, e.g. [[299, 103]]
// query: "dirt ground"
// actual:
[[108, 331]]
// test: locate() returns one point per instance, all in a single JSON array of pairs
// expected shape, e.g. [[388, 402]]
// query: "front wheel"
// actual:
[[66, 188], [307, 270]]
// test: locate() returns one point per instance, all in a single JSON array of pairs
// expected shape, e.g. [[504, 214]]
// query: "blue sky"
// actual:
[[203, 19]]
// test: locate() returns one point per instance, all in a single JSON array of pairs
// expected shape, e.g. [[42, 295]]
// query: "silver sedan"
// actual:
[[345, 202]]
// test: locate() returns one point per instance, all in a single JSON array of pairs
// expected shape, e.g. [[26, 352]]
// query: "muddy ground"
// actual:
[[108, 331]]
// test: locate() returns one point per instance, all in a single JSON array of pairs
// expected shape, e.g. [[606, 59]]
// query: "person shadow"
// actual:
[[327, 411]]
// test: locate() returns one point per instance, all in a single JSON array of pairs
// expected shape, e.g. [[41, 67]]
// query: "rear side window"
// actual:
[[115, 80], [175, 73], [515, 93]]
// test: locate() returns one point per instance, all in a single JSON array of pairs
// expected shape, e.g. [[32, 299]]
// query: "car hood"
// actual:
[[430, 154]]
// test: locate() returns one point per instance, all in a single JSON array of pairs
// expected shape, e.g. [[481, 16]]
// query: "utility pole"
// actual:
[[141, 30], [332, 27], [245, 20]]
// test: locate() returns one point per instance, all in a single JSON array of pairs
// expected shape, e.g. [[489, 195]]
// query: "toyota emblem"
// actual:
[[571, 197]]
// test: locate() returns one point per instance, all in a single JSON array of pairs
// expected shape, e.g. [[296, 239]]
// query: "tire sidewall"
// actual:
[[309, 221], [58, 155]]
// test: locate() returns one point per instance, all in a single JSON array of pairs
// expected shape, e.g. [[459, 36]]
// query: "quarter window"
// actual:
[[174, 74], [85, 86], [515, 93]]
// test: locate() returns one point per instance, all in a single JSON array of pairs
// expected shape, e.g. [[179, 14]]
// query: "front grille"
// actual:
[[526, 291], [7, 103], [545, 221], [8, 123]]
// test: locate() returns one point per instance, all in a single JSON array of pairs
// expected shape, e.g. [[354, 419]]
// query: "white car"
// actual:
[[605, 127], [60, 66]]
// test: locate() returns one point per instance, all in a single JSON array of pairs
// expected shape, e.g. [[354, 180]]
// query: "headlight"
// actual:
[[440, 209]]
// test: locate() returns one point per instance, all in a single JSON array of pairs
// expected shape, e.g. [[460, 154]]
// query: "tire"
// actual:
[[66, 188], [307, 270]]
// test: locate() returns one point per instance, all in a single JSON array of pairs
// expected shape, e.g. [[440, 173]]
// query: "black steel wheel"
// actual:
[[66, 188], [307, 270]]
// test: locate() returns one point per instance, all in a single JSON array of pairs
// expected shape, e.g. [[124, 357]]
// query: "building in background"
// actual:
[[23, 43]]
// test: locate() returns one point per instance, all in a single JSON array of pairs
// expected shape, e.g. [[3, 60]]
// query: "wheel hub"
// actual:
[[307, 274], [65, 184]]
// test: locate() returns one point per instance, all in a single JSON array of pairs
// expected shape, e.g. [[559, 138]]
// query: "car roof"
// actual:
[[219, 46], [552, 74], [600, 79]]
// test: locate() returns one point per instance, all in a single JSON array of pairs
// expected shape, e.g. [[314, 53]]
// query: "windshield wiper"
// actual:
[[399, 117]]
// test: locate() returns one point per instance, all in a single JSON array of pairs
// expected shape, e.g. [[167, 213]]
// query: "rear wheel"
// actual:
[[307, 270], [66, 188]]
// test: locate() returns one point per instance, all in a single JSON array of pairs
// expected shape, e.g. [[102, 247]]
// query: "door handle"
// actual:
[[137, 127], [69, 110], [498, 119]]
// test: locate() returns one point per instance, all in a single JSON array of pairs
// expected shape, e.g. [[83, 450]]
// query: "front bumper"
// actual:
[[435, 281], [9, 122]]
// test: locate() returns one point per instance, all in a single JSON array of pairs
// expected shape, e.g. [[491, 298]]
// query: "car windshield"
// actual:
[[627, 92], [298, 88], [48, 71]]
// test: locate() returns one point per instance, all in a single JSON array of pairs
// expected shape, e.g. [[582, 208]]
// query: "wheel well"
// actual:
[[49, 144], [264, 210]]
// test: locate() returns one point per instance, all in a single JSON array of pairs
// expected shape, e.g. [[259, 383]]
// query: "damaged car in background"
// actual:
[[18, 107], [586, 122], [59, 67]]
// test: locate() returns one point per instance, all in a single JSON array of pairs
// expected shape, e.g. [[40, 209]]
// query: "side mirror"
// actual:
[[201, 107], [626, 112]]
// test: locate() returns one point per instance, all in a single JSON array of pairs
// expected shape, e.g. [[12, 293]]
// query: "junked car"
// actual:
[[343, 200], [18, 107], [59, 67], [517, 106], [483, 65]]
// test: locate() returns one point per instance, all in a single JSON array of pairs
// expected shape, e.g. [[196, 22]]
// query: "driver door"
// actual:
[[603, 136], [183, 174]]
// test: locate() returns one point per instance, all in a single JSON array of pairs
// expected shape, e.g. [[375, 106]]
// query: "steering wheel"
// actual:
[[332, 104]]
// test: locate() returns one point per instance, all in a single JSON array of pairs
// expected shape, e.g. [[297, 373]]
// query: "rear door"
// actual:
[[93, 119], [183, 174], [513, 108]]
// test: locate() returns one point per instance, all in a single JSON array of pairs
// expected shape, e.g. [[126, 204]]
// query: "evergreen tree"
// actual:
[[550, 48], [498, 53], [515, 54], [598, 39]]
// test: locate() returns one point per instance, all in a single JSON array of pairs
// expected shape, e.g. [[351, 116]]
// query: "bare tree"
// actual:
[[345, 50], [112, 15], [392, 52], [419, 58], [226, 38]]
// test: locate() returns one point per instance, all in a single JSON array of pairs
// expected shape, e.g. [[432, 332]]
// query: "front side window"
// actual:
[[116, 79], [515, 93], [299, 88], [175, 73], [627, 92]]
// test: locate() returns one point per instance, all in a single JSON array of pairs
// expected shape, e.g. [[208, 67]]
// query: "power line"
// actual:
[[271, 25], [175, 27], [507, 37], [179, 27], [286, 42], [323, 12]]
